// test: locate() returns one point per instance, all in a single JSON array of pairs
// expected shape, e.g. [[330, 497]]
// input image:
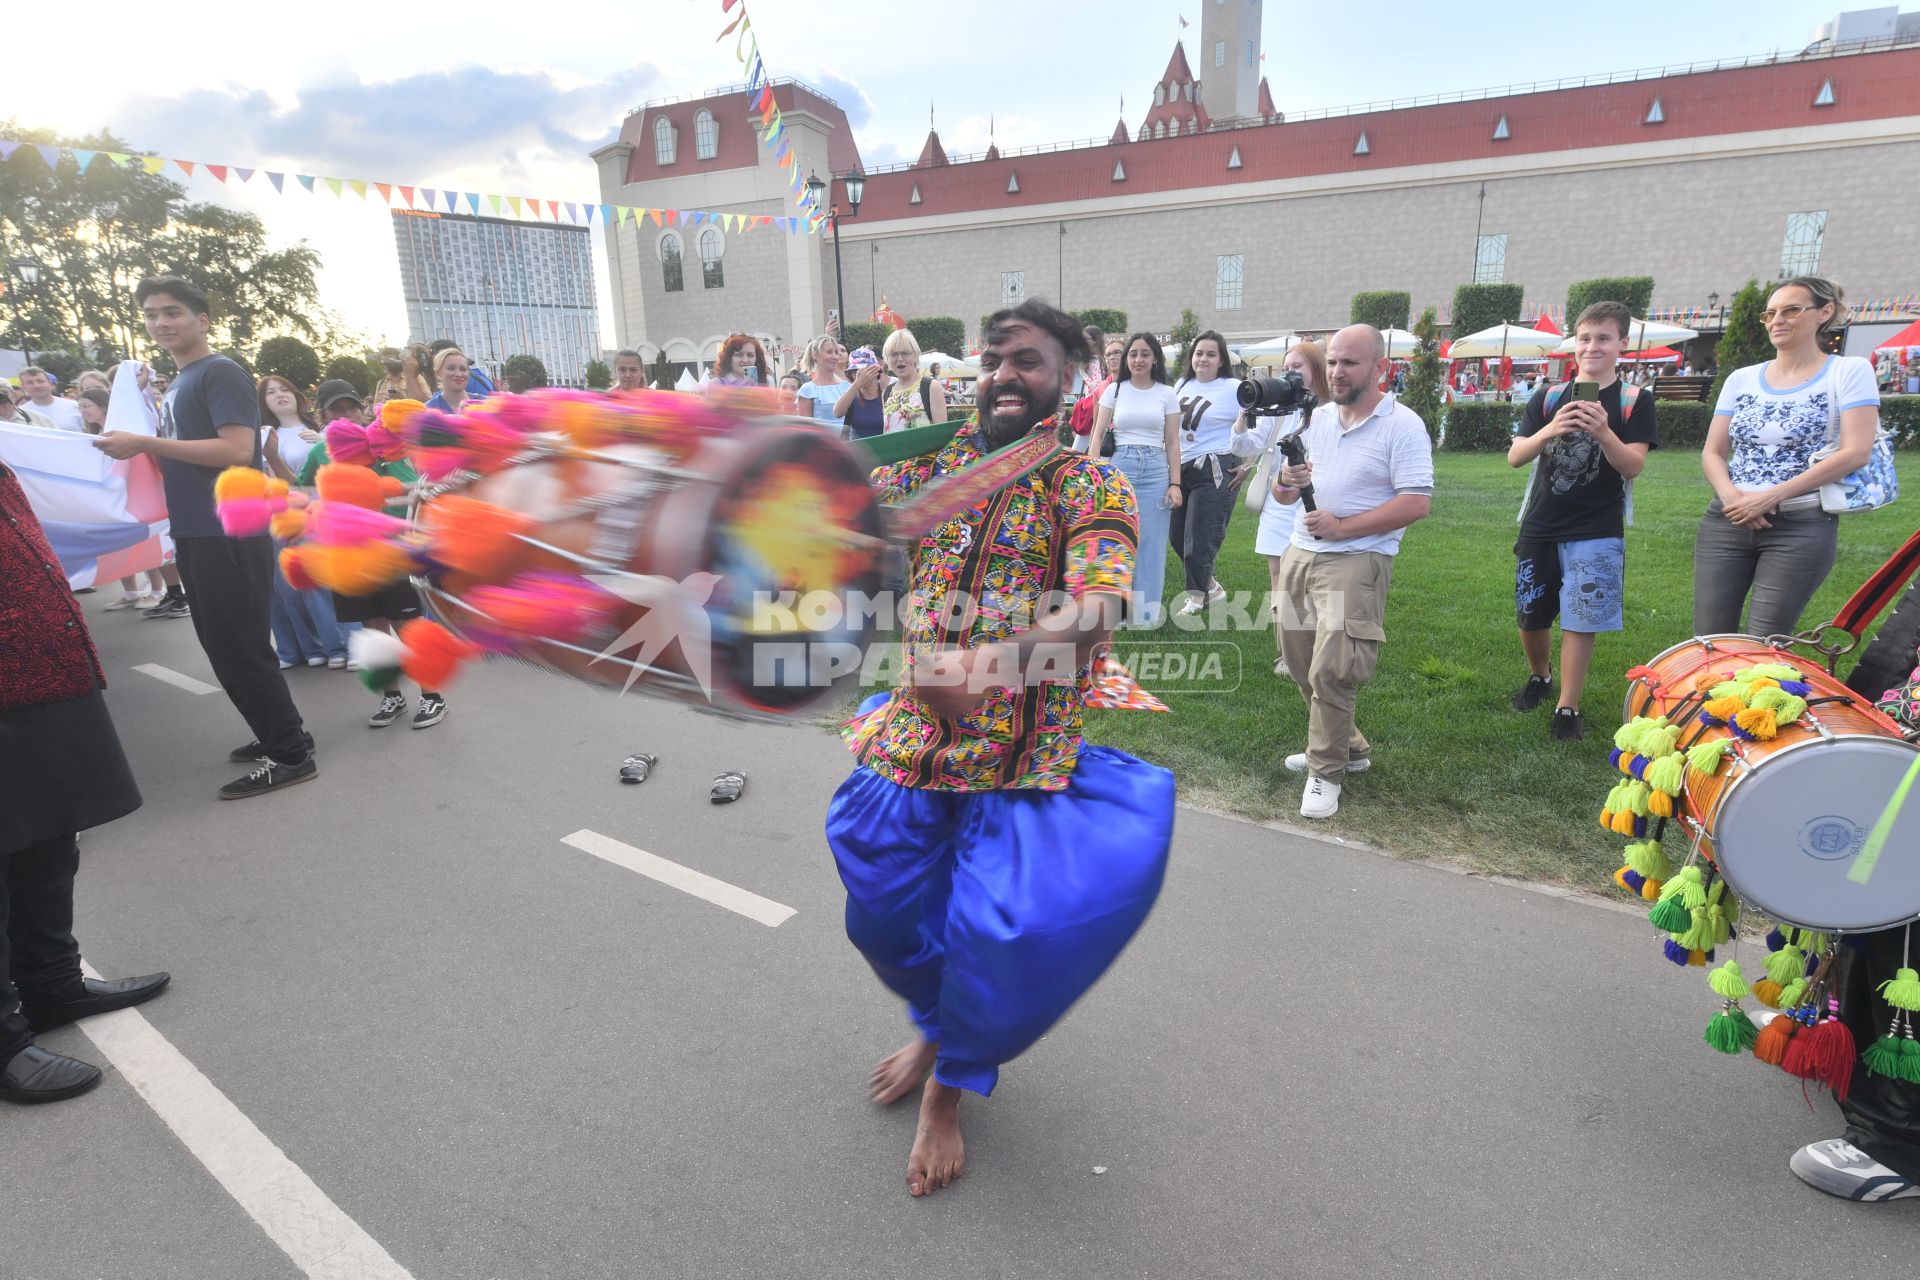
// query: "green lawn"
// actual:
[[1457, 773]]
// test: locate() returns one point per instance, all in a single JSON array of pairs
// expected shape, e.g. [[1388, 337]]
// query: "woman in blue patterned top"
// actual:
[[1765, 533]]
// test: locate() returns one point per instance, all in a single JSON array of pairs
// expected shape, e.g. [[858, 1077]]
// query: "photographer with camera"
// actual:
[[1281, 405], [1366, 474]]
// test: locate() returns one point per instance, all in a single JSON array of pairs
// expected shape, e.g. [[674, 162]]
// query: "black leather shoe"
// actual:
[[35, 1075], [101, 997]]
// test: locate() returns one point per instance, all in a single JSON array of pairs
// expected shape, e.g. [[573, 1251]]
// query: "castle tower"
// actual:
[[1228, 59]]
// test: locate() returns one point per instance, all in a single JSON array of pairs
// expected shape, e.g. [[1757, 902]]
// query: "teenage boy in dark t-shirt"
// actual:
[[1571, 556], [209, 421]]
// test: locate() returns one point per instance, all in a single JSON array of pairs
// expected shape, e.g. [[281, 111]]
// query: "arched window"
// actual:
[[713, 247], [671, 249], [706, 136], [662, 141], [1193, 125], [1143, 131], [1159, 95], [1159, 130], [1187, 89]]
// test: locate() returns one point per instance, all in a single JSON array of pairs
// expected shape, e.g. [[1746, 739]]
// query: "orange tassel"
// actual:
[[288, 525], [1660, 804], [434, 654], [294, 569], [1651, 890], [1724, 708], [394, 413], [356, 486], [1771, 1046], [241, 482], [475, 537], [357, 571], [1758, 722]]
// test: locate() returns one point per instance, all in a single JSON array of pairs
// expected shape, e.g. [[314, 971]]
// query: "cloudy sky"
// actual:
[[510, 97]]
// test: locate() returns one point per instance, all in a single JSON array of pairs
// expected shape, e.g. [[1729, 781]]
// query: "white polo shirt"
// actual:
[[1358, 468]]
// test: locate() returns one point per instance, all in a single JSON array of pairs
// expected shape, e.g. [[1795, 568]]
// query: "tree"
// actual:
[[523, 373], [862, 333], [1481, 306], [599, 377], [65, 366], [1635, 291], [1105, 319], [1182, 336], [941, 333], [1427, 376], [1744, 341], [1381, 308], [95, 235], [351, 370], [291, 359]]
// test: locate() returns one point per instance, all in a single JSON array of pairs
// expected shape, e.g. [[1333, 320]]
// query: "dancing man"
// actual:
[[995, 864]]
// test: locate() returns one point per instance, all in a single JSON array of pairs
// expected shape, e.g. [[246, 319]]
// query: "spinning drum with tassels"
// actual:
[[1793, 784]]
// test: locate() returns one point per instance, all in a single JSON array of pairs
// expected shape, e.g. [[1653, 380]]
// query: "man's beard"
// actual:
[[1350, 395], [1004, 429]]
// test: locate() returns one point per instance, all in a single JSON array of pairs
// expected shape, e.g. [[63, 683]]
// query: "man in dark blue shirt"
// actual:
[[209, 421]]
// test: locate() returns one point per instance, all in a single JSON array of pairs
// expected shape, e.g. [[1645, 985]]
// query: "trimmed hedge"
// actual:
[[940, 333], [865, 334], [1382, 308], [1482, 306], [1683, 423], [1901, 415], [1474, 426], [1635, 291], [1106, 319]]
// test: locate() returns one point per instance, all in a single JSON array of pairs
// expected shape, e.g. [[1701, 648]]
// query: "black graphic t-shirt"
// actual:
[[1576, 493]]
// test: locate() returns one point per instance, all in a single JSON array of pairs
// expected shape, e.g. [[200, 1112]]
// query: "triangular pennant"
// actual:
[[359, 187], [673, 216], [427, 196], [624, 211], [473, 202], [514, 201], [120, 157], [306, 180], [186, 167], [451, 197], [245, 175], [84, 158], [730, 26], [7, 148], [153, 164], [406, 194], [219, 171], [386, 191], [279, 180], [553, 207], [493, 202], [52, 155], [335, 184], [573, 212], [606, 213]]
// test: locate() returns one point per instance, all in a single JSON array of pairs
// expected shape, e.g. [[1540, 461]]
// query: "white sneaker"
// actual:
[[1297, 763], [317, 660], [1839, 1168], [1321, 799], [1216, 593], [1195, 603], [127, 602]]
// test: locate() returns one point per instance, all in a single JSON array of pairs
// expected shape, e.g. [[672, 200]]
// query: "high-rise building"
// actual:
[[501, 288]]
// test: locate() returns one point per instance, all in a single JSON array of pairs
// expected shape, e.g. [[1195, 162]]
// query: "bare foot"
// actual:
[[938, 1155], [899, 1074]]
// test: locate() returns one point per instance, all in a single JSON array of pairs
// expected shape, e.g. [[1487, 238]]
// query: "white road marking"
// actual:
[[167, 675], [296, 1215], [685, 879]]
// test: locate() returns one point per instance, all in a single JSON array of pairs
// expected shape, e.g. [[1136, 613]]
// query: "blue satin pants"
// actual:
[[990, 913]]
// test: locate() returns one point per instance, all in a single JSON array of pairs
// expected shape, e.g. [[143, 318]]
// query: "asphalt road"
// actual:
[[501, 1056]]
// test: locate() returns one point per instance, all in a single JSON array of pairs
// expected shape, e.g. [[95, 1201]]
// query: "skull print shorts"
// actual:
[[1582, 583]]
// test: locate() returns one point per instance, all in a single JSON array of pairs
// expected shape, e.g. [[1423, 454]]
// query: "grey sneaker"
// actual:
[[1839, 1168], [1297, 762], [392, 706]]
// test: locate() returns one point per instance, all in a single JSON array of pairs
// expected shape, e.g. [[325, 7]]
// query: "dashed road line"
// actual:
[[167, 675], [654, 867]]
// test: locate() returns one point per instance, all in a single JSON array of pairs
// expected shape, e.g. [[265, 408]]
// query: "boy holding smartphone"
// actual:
[[1587, 440]]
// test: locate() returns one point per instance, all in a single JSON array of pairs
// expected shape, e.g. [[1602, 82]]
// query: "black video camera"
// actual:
[[1278, 395]]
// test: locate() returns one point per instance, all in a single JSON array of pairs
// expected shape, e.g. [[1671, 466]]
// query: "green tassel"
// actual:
[[1727, 981], [1727, 689], [1681, 879], [1661, 741], [1624, 736], [1693, 893], [1725, 1034], [1770, 671], [1699, 934], [1786, 964], [1637, 793], [1719, 926], [1902, 990], [380, 679], [1706, 756], [1910, 1060], [1748, 1032], [1884, 1057], [1667, 774], [1793, 993], [1649, 860], [1669, 916]]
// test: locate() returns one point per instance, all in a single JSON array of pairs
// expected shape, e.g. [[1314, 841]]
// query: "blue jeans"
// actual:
[[1145, 468], [303, 623]]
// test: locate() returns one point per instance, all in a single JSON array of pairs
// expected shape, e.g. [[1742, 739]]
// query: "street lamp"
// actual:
[[29, 273], [856, 184], [1713, 304]]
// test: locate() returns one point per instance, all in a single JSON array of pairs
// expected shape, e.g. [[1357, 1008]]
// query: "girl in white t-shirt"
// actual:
[[1209, 469], [1254, 440], [1764, 533], [1144, 416]]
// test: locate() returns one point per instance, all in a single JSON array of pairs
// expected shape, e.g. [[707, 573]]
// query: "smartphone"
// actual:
[[1587, 391]]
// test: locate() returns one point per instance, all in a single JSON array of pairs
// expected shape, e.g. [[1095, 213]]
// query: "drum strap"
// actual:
[[1878, 591]]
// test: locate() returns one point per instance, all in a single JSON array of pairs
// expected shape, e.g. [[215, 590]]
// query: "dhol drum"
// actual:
[[726, 569], [1807, 825]]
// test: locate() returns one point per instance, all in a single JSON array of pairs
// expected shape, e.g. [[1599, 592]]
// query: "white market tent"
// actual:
[[1503, 340], [1643, 335]]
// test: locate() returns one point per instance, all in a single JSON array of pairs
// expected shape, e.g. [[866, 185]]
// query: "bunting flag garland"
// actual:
[[772, 131], [414, 198]]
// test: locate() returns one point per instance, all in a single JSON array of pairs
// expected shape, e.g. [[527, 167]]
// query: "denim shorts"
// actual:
[[1583, 583]]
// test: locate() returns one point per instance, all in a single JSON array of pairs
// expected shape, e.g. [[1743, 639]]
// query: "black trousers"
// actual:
[[39, 958], [229, 583], [1883, 1116], [1199, 524]]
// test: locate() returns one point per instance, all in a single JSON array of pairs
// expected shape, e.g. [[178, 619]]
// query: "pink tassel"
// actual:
[[247, 517], [544, 604], [384, 445], [347, 442], [340, 524]]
